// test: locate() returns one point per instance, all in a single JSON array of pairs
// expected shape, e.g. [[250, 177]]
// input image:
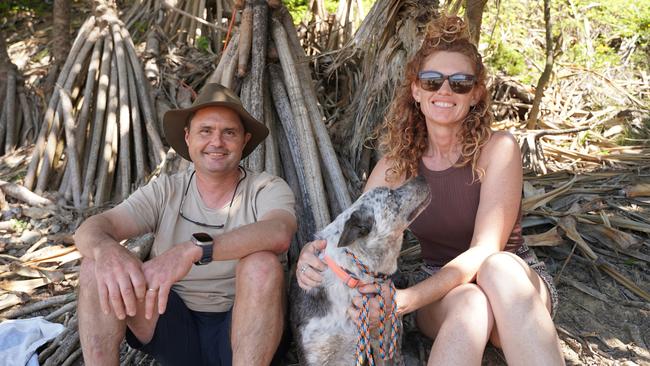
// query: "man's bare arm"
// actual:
[[272, 233], [109, 227], [118, 272]]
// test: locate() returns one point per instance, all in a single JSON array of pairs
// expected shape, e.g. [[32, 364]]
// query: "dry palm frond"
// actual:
[[367, 69]]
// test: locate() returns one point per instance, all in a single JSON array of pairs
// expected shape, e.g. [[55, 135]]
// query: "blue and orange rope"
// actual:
[[364, 347]]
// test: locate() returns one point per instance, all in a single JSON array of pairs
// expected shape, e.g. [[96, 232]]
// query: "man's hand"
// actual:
[[120, 281], [163, 271], [309, 266]]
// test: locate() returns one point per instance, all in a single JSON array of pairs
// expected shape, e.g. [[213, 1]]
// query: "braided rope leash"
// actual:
[[364, 347]]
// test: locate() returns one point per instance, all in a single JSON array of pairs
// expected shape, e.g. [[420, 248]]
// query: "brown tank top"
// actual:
[[445, 228]]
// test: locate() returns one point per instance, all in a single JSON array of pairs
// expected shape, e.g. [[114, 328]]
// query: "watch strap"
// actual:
[[206, 247]]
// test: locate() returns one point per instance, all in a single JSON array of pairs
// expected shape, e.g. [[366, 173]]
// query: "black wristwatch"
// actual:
[[205, 242]]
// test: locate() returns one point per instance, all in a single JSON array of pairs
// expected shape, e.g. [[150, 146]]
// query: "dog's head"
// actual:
[[372, 227]]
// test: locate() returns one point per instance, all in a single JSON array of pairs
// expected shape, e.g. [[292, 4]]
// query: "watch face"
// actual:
[[202, 237]]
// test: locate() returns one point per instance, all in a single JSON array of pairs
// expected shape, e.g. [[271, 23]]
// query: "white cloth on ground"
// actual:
[[19, 340]]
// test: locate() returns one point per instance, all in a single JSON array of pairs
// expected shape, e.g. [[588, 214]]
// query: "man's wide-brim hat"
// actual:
[[211, 95]]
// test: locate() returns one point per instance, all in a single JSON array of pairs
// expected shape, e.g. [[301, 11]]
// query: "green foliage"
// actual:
[[331, 6], [594, 34], [42, 53], [11, 8], [18, 225], [630, 262], [300, 8], [297, 9], [203, 44], [633, 132], [140, 26], [507, 60]]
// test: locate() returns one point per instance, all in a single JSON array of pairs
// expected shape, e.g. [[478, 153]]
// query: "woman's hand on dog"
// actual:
[[309, 266], [370, 290]]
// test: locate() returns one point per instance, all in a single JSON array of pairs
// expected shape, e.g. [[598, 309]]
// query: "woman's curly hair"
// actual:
[[403, 135]]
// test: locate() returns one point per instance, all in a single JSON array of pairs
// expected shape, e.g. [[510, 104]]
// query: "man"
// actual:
[[213, 282]]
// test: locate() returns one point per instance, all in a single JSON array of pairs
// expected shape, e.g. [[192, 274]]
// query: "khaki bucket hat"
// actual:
[[175, 120]]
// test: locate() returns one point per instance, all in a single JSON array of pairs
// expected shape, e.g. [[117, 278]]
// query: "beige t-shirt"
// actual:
[[155, 208]]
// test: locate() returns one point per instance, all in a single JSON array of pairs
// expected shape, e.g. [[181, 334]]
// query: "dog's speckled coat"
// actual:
[[371, 228]]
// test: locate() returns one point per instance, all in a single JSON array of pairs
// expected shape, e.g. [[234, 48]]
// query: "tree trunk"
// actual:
[[474, 15], [60, 41], [548, 68], [5, 64]]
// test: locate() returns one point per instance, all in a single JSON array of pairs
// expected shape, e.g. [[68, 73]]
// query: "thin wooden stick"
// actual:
[[230, 52], [136, 127], [103, 173], [199, 8], [145, 101], [218, 37], [65, 109], [152, 50], [39, 305], [10, 114], [228, 75], [306, 224], [72, 358], [301, 116], [79, 42], [124, 119], [67, 346], [91, 78], [71, 306], [52, 139], [183, 29], [98, 120], [186, 14], [245, 39], [190, 30], [22, 193], [3, 123], [20, 120], [47, 352], [332, 169], [271, 155], [258, 61], [297, 166]]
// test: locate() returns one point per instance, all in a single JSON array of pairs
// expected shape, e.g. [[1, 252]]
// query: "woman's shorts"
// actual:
[[427, 270]]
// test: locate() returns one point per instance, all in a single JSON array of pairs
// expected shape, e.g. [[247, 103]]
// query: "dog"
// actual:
[[371, 230]]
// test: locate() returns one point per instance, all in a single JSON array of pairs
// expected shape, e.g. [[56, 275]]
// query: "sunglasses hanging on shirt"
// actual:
[[199, 223]]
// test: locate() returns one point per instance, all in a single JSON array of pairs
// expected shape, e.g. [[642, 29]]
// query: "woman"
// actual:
[[479, 283]]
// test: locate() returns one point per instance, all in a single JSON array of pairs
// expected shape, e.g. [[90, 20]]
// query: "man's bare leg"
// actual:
[[101, 334], [258, 312]]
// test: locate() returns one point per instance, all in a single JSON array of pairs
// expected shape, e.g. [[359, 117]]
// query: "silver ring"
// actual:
[[152, 289], [303, 269]]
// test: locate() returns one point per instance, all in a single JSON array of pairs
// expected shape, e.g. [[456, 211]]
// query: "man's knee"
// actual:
[[260, 269]]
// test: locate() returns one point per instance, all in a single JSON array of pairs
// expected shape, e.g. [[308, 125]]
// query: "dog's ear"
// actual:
[[358, 225]]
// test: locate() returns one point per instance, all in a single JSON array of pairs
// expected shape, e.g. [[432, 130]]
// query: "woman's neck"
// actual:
[[442, 142]]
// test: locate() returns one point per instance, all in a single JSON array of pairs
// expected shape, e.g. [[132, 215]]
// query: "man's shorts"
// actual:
[[525, 253], [187, 337]]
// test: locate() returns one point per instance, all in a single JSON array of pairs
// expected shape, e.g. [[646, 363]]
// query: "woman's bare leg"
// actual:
[[460, 323], [521, 307]]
